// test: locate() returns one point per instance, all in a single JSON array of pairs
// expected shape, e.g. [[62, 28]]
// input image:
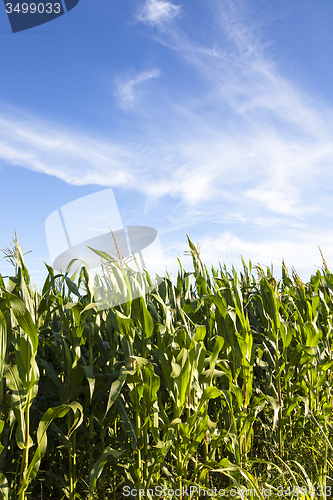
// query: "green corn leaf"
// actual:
[[219, 342], [148, 323], [125, 325], [46, 420], [139, 362], [67, 358], [92, 305], [305, 400], [115, 390], [176, 370], [326, 366], [312, 334], [107, 257], [18, 401], [89, 373], [4, 488], [120, 283], [182, 380], [98, 467], [25, 293], [70, 306], [2, 425], [3, 344], [219, 302], [51, 373], [276, 407], [141, 312], [208, 393], [72, 287], [70, 265], [23, 318], [25, 357], [130, 429], [151, 384], [200, 333]]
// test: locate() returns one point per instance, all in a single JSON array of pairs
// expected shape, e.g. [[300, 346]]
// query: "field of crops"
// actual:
[[221, 381]]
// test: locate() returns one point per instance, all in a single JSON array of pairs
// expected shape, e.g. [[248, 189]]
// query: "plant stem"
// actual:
[[70, 464], [91, 416], [25, 457]]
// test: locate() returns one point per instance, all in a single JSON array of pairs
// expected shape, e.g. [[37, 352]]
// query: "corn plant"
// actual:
[[215, 378]]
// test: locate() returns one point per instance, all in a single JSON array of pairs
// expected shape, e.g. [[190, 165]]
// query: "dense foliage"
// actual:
[[218, 380]]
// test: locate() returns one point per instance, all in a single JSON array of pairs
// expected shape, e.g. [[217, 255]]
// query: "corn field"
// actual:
[[219, 381]]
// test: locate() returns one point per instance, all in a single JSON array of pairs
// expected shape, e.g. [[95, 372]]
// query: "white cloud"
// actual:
[[253, 142], [69, 155], [127, 88], [253, 147], [303, 254], [158, 12]]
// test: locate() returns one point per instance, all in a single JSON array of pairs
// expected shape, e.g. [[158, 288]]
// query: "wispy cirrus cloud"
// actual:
[[253, 148], [157, 12], [254, 141], [275, 135], [128, 87], [71, 156]]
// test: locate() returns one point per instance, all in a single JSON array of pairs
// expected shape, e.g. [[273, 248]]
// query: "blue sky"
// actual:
[[210, 117]]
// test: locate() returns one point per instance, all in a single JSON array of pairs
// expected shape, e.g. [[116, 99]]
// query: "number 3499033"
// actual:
[[33, 8]]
